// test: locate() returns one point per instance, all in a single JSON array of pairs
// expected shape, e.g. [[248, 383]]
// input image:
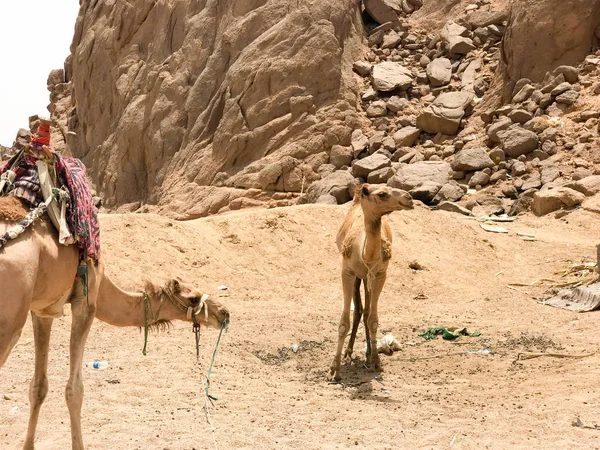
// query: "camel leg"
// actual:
[[366, 321], [347, 284], [83, 316], [372, 321], [13, 315], [358, 310], [39, 384]]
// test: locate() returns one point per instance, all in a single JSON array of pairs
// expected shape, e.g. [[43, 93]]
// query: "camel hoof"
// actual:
[[348, 357], [334, 376]]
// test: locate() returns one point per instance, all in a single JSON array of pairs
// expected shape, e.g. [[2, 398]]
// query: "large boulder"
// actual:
[[389, 76], [456, 40], [382, 11], [549, 200], [588, 186], [415, 175], [469, 159], [517, 141], [363, 167], [439, 72], [336, 184], [406, 137], [445, 113]]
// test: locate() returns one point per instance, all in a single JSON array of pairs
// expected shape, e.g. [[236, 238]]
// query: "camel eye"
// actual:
[[383, 195]]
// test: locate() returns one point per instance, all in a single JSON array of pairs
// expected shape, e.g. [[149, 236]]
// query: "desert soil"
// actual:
[[282, 270]]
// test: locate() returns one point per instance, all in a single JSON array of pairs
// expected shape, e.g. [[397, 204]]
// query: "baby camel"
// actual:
[[365, 241]]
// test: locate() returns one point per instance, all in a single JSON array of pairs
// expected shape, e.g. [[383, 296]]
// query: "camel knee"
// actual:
[[74, 393], [373, 322], [344, 326], [38, 390]]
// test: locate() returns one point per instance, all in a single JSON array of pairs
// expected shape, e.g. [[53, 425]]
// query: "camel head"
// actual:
[[205, 311], [380, 199]]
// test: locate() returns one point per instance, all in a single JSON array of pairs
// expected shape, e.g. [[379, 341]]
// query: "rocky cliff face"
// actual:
[[180, 103], [543, 35]]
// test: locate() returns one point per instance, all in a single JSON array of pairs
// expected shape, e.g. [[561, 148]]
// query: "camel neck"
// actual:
[[120, 308], [372, 247]]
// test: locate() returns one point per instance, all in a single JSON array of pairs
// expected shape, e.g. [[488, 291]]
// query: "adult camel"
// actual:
[[38, 274]]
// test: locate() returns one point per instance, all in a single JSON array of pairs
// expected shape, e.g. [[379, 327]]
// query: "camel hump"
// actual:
[[12, 209]]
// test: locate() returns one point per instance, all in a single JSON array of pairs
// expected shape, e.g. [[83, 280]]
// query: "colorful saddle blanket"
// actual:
[[82, 215]]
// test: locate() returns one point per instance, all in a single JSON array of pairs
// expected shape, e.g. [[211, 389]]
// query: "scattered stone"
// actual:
[[517, 141], [501, 124], [335, 184], [391, 40], [568, 97], [580, 173], [363, 68], [406, 136], [537, 124], [370, 94], [424, 61], [327, 199], [411, 176], [570, 73], [520, 206], [396, 103], [469, 159], [549, 134], [533, 182], [341, 156], [451, 192], [469, 75], [445, 113], [540, 155], [553, 82], [588, 186], [439, 72], [377, 109], [480, 86], [562, 87], [380, 176], [479, 179], [453, 207], [388, 76], [549, 174], [426, 192], [497, 155], [381, 11], [376, 141], [359, 142], [518, 169], [499, 176], [454, 36], [363, 167], [524, 93], [520, 116]]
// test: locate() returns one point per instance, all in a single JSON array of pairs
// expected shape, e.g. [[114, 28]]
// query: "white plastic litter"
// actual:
[[388, 344]]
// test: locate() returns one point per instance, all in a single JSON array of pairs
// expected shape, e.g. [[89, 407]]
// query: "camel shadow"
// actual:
[[364, 383]]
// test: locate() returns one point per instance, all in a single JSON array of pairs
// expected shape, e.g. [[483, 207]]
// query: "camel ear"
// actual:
[[175, 286], [365, 190]]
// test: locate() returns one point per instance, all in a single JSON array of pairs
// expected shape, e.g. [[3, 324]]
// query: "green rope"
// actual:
[[146, 313], [223, 326]]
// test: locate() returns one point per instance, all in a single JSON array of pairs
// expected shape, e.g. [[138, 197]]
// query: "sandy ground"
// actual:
[[282, 270]]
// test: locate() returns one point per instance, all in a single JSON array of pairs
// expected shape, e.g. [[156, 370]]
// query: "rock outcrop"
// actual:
[[176, 101]]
